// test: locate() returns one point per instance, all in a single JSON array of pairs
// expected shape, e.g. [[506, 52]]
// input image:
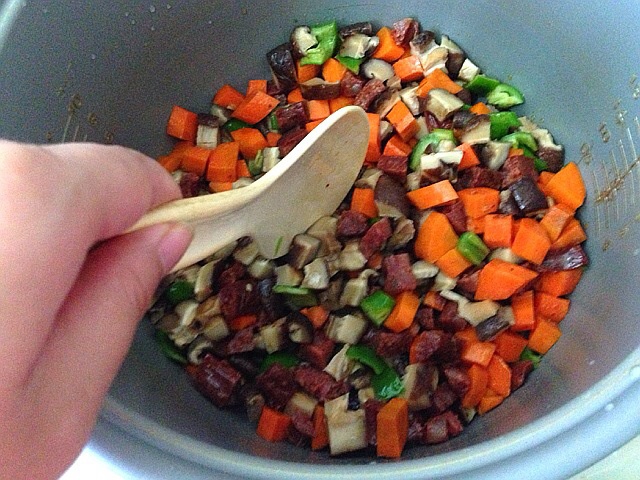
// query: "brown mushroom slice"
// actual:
[[377, 68], [468, 71], [247, 253], [390, 198], [318, 89], [442, 103], [253, 401], [419, 381], [316, 275], [287, 275], [456, 56], [301, 403], [494, 154], [325, 229], [261, 268], [366, 28], [346, 428], [299, 327], [302, 40], [208, 133], [198, 348], [410, 98], [351, 257], [304, 248], [358, 45], [382, 106], [354, 292], [340, 366], [274, 335], [403, 233], [476, 130], [348, 328]]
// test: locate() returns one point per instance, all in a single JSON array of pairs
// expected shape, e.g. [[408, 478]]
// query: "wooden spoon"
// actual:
[[308, 183]]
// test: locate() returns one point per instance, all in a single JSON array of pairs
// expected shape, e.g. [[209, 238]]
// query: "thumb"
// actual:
[[96, 324]]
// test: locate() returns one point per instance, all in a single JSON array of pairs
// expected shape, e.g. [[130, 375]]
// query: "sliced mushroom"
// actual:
[[253, 401], [419, 381], [358, 45], [330, 297], [477, 312], [222, 114], [506, 254], [369, 178], [348, 328], [208, 133], [528, 197], [198, 348], [271, 156], [242, 182], [304, 248], [316, 275], [202, 287], [365, 28], [340, 365], [403, 233], [210, 307], [283, 68], [302, 40], [430, 54], [247, 253], [443, 282], [301, 402], [410, 98], [424, 270], [325, 229], [386, 129], [376, 68], [287, 275], [354, 292], [319, 89], [186, 310], [442, 104], [351, 258], [168, 322], [494, 154], [390, 198], [476, 130], [261, 268], [299, 327], [456, 56], [383, 105], [491, 327], [346, 428], [273, 336], [468, 70], [215, 329]]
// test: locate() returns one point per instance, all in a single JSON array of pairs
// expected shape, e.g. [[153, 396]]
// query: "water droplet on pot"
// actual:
[[608, 407], [152, 9]]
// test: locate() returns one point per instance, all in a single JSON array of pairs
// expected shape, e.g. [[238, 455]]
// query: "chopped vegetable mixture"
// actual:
[[434, 289]]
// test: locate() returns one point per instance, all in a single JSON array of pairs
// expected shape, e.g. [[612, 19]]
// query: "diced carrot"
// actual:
[[242, 170], [551, 307], [499, 376], [318, 109], [558, 283], [479, 353], [408, 68], [567, 186], [333, 70], [499, 280], [403, 312], [498, 230], [395, 146], [362, 200], [489, 401], [469, 157], [320, 437], [255, 107], [544, 336], [182, 124], [480, 108], [434, 195], [387, 49], [453, 263], [241, 322], [555, 219], [435, 237], [194, 160], [403, 121], [515, 152], [272, 138], [373, 147], [437, 79], [375, 260], [392, 428], [544, 177], [466, 336], [307, 72], [257, 84], [523, 311], [311, 125], [273, 425], [317, 315], [295, 95], [572, 234], [228, 97], [170, 162], [434, 300], [338, 102], [479, 378], [509, 345], [217, 187], [479, 201], [531, 241], [250, 141], [222, 162], [476, 225]]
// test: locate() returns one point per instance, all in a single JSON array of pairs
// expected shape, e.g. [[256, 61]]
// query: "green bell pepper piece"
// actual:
[[272, 122], [505, 96], [352, 64], [377, 306], [387, 384], [502, 123], [297, 297], [169, 349], [234, 124], [472, 247], [327, 35], [528, 354], [433, 139], [255, 164], [179, 291], [481, 85], [367, 356], [286, 359], [521, 140], [539, 164]]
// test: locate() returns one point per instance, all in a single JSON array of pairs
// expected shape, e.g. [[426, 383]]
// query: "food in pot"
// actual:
[[427, 297]]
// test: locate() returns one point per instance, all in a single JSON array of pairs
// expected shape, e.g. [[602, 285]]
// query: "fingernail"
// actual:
[[173, 244]]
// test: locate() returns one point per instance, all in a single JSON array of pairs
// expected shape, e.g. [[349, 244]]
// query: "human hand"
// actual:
[[71, 293]]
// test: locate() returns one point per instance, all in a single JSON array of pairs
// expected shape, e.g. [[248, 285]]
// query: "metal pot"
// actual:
[[110, 71]]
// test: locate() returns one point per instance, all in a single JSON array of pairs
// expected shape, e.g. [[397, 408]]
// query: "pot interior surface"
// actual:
[[110, 71]]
